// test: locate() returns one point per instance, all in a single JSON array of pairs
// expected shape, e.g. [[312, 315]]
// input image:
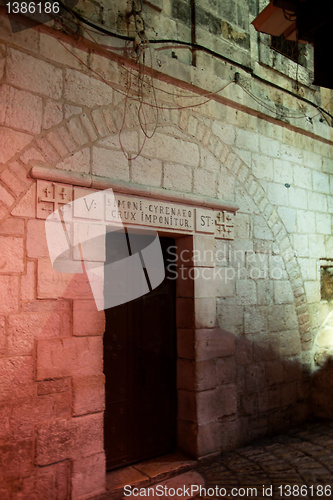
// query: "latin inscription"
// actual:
[[132, 210]]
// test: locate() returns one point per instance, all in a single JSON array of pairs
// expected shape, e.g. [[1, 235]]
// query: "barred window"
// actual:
[[293, 50]]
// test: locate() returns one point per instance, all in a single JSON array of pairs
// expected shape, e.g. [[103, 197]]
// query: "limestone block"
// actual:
[[302, 177], [12, 227], [9, 292], [63, 53], [229, 314], [52, 284], [262, 167], [269, 399], [226, 186], [87, 320], [247, 140], [217, 403], [316, 245], [26, 207], [148, 172], [28, 283], [205, 312], [321, 182], [225, 132], [282, 317], [214, 343], [226, 370], [33, 74], [288, 216], [53, 113], [129, 139], [88, 394], [205, 375], [25, 38], [283, 293], [25, 328], [274, 372], [108, 163], [55, 386], [88, 126], [74, 438], [77, 131], [77, 162], [255, 377], [308, 269], [21, 110], [288, 394], [257, 265], [177, 177], [323, 223], [249, 404], [205, 182], [15, 178], [278, 194], [208, 161], [16, 378], [298, 198], [246, 292], [212, 282], [306, 222], [312, 290], [166, 147], [85, 90], [261, 229], [269, 147], [242, 226], [69, 357], [255, 319], [317, 201], [16, 459], [88, 476], [11, 254], [265, 292], [301, 245], [290, 343], [11, 142], [290, 153], [283, 171]]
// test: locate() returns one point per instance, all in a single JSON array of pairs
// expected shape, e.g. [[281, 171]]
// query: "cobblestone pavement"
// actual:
[[296, 464]]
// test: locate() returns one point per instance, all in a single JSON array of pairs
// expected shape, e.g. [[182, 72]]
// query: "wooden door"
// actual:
[[140, 371]]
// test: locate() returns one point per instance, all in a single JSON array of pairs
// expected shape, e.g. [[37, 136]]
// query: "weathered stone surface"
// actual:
[[53, 284], [214, 343], [11, 254], [73, 438], [8, 294], [108, 163], [26, 206], [88, 394], [16, 378], [89, 476], [69, 357], [86, 319], [21, 110], [85, 90], [11, 142], [25, 328], [34, 74]]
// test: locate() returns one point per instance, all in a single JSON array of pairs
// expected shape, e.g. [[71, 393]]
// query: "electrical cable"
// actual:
[[197, 47]]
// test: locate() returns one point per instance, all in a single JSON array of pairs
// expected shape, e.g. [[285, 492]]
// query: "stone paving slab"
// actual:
[[297, 464]]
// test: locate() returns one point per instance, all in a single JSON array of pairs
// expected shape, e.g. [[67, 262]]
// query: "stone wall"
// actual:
[[245, 339]]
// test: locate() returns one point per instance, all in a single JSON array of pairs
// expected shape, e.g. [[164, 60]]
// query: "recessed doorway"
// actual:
[[140, 357]]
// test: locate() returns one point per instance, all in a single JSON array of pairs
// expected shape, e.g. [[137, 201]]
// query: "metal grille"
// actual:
[[290, 49]]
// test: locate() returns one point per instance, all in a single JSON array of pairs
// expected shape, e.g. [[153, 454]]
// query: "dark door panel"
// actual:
[[140, 370]]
